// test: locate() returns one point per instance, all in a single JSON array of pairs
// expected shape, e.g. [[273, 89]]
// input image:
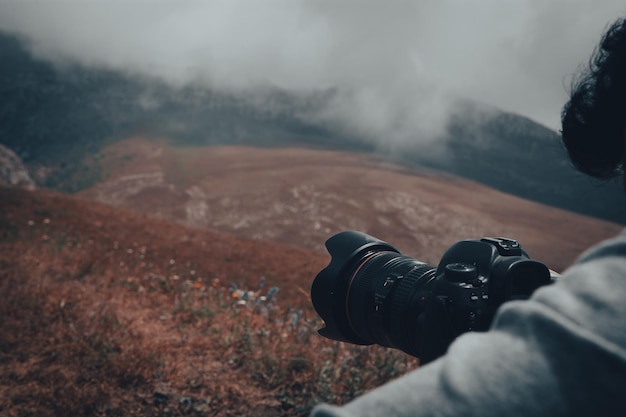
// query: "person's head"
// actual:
[[594, 119]]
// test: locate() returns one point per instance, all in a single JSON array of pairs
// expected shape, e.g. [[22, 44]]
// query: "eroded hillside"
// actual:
[[300, 197]]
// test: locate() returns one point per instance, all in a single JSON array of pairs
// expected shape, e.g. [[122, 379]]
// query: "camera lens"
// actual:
[[370, 293]]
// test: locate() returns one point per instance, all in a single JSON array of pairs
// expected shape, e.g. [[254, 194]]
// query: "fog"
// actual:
[[395, 65]]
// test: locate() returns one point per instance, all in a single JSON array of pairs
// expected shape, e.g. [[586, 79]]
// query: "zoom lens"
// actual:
[[370, 293]]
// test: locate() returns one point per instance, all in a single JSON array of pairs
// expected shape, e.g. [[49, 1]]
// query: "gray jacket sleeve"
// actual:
[[560, 353]]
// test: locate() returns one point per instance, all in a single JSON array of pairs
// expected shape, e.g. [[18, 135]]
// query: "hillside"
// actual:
[[56, 117], [300, 196], [108, 312], [61, 222]]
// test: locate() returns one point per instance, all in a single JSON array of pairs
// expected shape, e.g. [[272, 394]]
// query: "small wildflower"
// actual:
[[197, 285], [46, 221], [172, 261], [129, 251], [295, 317], [192, 272], [272, 292], [31, 223]]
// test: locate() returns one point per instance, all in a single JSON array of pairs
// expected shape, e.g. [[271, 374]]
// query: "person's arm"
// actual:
[[561, 353]]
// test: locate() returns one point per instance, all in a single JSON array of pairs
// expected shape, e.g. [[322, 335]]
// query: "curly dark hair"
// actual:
[[593, 120]]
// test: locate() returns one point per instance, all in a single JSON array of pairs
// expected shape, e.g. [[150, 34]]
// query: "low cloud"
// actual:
[[395, 65]]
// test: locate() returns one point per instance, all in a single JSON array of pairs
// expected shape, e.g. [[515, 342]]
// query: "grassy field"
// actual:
[[110, 313]]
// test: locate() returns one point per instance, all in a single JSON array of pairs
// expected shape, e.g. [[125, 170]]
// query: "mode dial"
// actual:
[[461, 272]]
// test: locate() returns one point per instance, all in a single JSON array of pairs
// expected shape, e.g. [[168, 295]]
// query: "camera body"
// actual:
[[372, 294]]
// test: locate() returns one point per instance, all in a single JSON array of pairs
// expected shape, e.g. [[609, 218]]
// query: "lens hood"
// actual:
[[348, 250]]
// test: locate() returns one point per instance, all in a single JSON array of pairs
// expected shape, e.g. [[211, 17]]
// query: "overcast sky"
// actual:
[[396, 62]]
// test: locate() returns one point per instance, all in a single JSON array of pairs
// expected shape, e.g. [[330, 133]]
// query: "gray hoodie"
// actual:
[[561, 353]]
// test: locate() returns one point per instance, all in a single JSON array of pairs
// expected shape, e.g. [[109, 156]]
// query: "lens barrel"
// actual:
[[370, 293]]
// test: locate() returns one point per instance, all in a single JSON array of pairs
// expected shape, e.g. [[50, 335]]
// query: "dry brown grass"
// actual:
[[106, 312], [301, 196], [110, 312]]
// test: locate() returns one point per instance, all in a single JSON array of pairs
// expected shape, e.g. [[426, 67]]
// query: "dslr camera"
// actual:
[[372, 294]]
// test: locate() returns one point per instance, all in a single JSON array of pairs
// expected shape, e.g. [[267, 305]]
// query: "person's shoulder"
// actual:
[[592, 292], [615, 246]]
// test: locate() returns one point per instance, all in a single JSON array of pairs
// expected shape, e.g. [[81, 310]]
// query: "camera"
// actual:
[[372, 294]]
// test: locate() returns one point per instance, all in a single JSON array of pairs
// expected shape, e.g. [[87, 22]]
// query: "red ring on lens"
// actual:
[[356, 271]]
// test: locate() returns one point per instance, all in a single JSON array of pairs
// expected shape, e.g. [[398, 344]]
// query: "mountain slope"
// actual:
[[109, 312], [108, 232], [56, 118], [516, 155], [301, 196]]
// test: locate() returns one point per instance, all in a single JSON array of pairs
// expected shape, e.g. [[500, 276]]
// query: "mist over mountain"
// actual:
[[56, 117], [514, 154]]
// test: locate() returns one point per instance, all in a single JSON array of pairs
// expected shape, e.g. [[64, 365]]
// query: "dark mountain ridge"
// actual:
[[57, 117], [516, 155]]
